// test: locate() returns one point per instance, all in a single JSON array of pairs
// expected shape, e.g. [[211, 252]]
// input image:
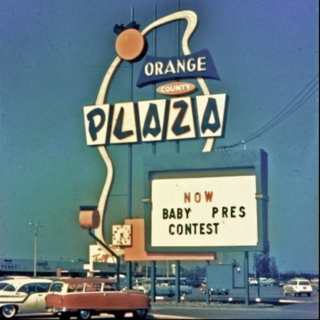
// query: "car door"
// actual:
[[114, 300], [31, 298], [40, 296]]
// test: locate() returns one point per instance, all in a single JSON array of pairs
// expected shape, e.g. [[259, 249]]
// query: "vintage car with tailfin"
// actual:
[[23, 296]]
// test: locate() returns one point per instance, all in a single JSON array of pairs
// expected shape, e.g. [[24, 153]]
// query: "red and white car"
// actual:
[[85, 297]]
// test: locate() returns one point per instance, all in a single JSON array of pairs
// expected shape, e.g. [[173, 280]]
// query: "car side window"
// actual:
[[42, 287], [72, 287], [10, 287], [108, 287], [93, 287], [56, 287], [3, 285], [75, 287], [79, 287], [28, 288]]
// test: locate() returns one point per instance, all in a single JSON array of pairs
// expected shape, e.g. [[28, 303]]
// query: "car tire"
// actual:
[[84, 314], [8, 311], [140, 314], [65, 316], [119, 315]]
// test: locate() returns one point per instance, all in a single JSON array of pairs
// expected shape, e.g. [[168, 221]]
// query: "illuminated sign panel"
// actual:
[[198, 64], [194, 203], [202, 212], [152, 115], [151, 118], [95, 120], [181, 119], [124, 127]]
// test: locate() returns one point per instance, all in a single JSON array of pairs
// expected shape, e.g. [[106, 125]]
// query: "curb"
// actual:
[[212, 305]]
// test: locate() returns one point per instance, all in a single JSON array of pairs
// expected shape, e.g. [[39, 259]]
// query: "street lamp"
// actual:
[[36, 226]]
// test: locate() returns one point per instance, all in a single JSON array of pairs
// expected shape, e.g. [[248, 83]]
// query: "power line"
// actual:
[[308, 91]]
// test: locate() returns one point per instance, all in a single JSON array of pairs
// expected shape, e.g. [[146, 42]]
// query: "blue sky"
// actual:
[[54, 55]]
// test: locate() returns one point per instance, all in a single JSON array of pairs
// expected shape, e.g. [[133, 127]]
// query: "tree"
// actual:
[[264, 265]]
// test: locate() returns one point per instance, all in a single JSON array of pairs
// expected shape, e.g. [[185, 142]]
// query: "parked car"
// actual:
[[13, 277], [264, 282], [253, 281], [297, 287], [213, 291], [144, 285], [84, 297], [282, 283], [24, 295], [194, 282], [171, 283]]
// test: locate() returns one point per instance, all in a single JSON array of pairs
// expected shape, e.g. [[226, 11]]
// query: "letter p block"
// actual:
[[96, 124]]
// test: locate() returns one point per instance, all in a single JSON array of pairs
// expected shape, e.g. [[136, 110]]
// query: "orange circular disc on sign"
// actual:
[[129, 44]]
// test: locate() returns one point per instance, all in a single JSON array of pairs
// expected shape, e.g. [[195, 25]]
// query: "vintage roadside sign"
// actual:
[[193, 204], [158, 120]]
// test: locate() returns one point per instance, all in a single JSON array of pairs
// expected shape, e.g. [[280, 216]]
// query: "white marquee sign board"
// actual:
[[204, 212]]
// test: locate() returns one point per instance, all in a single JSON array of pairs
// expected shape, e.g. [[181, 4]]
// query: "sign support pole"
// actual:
[[129, 263], [153, 281], [177, 280], [207, 292], [246, 276], [154, 151]]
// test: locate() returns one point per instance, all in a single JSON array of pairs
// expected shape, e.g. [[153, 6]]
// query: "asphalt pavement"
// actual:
[[273, 305]]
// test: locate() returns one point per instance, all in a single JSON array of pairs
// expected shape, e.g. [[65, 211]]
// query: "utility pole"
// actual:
[[36, 226]]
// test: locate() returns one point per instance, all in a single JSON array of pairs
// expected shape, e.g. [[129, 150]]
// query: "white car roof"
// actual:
[[19, 282]]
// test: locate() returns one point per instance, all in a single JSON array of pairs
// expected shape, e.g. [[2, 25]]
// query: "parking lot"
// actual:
[[268, 294], [273, 305]]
